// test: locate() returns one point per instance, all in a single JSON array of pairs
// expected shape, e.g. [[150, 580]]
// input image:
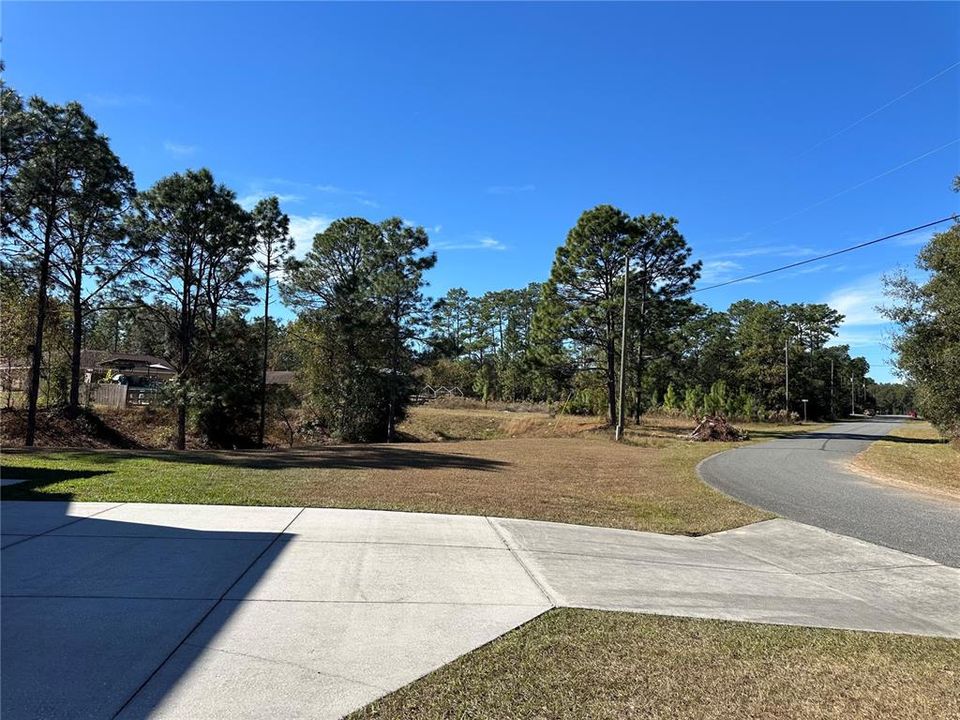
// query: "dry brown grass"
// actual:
[[432, 423], [914, 456], [564, 469], [587, 480], [584, 664]]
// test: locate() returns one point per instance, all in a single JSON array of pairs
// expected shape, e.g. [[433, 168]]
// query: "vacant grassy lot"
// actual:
[[430, 423], [649, 483], [916, 456], [586, 664]]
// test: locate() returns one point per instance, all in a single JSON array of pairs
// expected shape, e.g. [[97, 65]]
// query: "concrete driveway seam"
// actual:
[[536, 577], [207, 614], [60, 527]]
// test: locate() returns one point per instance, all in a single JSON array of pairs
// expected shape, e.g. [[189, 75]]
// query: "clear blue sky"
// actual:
[[495, 125]]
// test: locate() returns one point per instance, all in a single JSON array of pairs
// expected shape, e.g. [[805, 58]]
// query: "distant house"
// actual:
[[125, 368], [96, 366]]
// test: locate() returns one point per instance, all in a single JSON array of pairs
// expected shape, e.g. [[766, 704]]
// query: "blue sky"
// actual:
[[772, 131]]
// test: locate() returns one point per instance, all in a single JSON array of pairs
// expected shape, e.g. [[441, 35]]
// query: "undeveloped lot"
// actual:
[[586, 480]]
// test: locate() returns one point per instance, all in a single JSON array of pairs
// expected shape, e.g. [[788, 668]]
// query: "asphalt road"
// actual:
[[805, 478]]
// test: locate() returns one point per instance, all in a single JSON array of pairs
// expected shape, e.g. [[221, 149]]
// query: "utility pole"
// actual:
[[623, 353], [833, 411], [786, 362], [853, 402]]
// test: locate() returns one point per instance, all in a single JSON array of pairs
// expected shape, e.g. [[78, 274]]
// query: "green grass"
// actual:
[[580, 664]]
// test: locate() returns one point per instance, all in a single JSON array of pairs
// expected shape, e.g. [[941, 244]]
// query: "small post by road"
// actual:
[[623, 354], [804, 401], [786, 364], [833, 407]]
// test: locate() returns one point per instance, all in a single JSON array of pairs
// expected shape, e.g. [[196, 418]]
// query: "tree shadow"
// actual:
[[38, 477], [822, 435], [334, 457]]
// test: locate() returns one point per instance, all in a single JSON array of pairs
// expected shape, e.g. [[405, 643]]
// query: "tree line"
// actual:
[[926, 313], [182, 271]]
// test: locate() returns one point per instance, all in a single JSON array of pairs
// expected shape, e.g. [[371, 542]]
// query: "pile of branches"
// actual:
[[716, 428]]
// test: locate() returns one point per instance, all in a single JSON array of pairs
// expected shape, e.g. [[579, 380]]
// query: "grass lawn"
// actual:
[[588, 664], [649, 483], [916, 456]]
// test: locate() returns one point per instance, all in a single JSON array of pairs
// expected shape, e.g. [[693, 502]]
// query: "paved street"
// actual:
[[805, 478], [185, 611]]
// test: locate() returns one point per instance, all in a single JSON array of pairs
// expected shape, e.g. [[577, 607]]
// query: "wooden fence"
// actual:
[[119, 396]]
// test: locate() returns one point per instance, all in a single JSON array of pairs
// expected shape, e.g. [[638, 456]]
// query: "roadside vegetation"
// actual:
[[927, 339], [584, 664], [913, 455]]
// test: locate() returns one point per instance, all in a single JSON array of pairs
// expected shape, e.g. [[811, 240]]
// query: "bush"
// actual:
[[693, 401]]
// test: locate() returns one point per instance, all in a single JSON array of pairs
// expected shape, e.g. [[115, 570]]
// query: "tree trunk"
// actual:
[[394, 367], [263, 367], [36, 357], [185, 338], [640, 367], [611, 381], [181, 424], [73, 406]]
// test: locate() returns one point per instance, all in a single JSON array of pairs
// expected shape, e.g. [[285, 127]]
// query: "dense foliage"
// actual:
[[359, 293], [928, 314], [176, 270]]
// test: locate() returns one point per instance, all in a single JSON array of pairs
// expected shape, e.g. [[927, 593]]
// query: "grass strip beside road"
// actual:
[[586, 664], [915, 456]]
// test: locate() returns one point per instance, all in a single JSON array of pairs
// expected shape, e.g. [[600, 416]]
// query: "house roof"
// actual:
[[98, 359], [118, 360]]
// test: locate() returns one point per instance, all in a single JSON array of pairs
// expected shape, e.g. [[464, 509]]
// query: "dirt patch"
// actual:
[[55, 428]]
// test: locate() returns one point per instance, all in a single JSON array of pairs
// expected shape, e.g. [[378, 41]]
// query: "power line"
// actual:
[[828, 255], [880, 109], [859, 185]]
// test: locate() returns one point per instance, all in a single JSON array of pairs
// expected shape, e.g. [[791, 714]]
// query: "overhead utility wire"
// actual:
[[828, 255], [870, 114]]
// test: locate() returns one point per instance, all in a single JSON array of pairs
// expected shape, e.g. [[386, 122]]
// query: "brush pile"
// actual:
[[716, 428]]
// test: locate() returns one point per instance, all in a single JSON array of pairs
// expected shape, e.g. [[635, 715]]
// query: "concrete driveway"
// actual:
[[185, 611], [805, 478]]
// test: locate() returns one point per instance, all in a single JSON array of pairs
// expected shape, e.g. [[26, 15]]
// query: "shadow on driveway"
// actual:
[[93, 608]]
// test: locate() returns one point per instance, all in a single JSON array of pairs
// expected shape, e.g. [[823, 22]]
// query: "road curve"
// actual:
[[805, 478]]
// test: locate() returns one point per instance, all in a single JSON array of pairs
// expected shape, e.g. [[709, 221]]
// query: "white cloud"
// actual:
[[858, 302], [481, 243], [248, 201], [431, 229], [361, 197], [858, 338], [795, 251], [302, 230], [717, 271], [179, 148], [510, 189]]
